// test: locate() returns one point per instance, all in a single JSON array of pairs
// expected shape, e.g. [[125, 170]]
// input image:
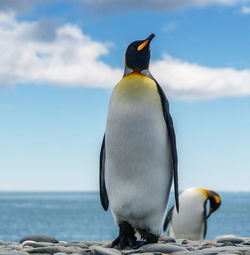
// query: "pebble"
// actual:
[[106, 251], [164, 248], [229, 239], [39, 238], [167, 239], [46, 245]]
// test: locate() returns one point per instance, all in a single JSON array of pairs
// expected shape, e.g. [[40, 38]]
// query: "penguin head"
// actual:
[[137, 55], [215, 201], [213, 197]]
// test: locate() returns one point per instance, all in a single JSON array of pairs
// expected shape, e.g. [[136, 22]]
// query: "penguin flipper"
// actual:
[[205, 220], [171, 134], [103, 191], [168, 218]]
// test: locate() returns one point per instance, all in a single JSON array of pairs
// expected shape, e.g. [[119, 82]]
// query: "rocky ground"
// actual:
[[43, 245]]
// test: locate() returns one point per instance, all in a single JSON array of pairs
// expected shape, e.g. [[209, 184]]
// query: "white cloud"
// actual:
[[65, 56], [188, 81], [245, 10]]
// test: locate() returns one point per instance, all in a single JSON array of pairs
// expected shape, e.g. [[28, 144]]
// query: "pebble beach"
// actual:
[[227, 244]]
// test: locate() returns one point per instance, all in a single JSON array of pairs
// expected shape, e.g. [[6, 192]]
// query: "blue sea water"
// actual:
[[79, 216]]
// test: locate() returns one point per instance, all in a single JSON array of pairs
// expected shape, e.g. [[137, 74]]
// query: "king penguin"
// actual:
[[138, 156], [191, 222]]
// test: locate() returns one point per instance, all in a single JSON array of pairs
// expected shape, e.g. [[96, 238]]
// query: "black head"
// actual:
[[138, 54], [215, 201]]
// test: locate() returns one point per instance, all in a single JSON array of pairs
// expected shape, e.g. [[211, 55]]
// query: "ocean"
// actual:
[[78, 216]]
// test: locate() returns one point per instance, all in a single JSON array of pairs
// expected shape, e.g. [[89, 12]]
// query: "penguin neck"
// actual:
[[145, 72]]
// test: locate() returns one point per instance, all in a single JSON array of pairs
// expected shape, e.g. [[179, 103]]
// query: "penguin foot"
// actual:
[[149, 237], [126, 236]]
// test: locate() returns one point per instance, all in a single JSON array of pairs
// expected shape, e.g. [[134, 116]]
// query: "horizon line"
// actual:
[[94, 191]]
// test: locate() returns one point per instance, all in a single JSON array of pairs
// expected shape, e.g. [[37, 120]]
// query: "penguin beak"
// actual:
[[145, 42], [215, 201]]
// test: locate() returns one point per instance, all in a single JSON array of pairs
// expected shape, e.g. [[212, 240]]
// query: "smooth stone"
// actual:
[[228, 253], [183, 241], [164, 248], [205, 246], [147, 253], [39, 238], [3, 242], [15, 246], [76, 244], [229, 239], [194, 244], [6, 252], [167, 239], [185, 252], [35, 244], [49, 249], [107, 245], [42, 254], [106, 251], [91, 243], [231, 249], [75, 249]]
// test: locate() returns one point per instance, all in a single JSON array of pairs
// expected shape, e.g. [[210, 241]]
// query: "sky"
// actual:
[[60, 61]]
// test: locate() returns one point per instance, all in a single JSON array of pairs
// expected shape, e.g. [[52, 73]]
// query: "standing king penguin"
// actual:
[[138, 156], [191, 222]]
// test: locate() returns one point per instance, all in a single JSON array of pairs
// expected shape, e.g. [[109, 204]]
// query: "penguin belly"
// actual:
[[189, 223], [138, 171]]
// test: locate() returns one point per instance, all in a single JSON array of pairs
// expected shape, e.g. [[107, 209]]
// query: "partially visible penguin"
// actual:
[[191, 221], [138, 155]]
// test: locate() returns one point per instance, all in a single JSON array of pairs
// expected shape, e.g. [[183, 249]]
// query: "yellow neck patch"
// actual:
[[204, 191], [134, 84]]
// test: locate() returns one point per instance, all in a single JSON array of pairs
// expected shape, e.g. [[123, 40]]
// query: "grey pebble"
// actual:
[[13, 252], [107, 244], [224, 249], [14, 246], [77, 244], [39, 238], [42, 253], [229, 239], [50, 250], [147, 253], [167, 239], [106, 251], [91, 243], [186, 252], [35, 244], [164, 248]]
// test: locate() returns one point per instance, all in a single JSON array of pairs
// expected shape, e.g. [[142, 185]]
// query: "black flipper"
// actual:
[[205, 220], [168, 218], [103, 191], [171, 134]]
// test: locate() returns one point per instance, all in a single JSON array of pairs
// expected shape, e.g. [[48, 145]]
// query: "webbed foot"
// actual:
[[149, 237], [126, 236]]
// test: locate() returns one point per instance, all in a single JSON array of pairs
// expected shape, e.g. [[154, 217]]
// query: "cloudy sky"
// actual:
[[59, 62]]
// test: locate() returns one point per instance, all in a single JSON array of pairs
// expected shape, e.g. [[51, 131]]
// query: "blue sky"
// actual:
[[60, 62]]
